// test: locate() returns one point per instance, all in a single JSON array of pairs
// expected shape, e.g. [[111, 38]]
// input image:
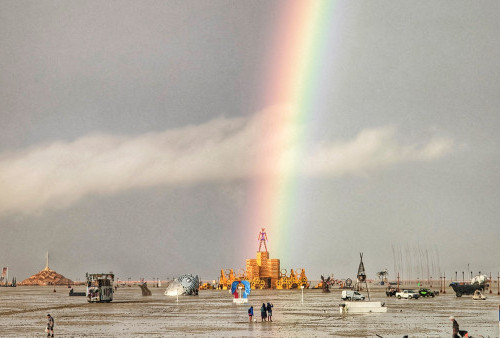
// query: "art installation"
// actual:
[[46, 277], [100, 287], [263, 272], [145, 290], [240, 294], [184, 285]]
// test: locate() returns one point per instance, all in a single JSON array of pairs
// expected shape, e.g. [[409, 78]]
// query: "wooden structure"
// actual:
[[263, 272], [46, 277], [264, 269]]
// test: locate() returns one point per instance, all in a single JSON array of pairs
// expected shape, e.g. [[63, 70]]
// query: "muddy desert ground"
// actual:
[[23, 313]]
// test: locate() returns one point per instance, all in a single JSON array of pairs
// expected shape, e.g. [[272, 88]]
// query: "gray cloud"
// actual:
[[58, 174], [373, 149]]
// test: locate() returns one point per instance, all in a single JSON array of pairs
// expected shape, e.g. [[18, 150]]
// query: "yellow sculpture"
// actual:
[[264, 272], [292, 281]]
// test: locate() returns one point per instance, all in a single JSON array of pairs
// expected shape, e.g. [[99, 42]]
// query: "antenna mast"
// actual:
[[47, 266]]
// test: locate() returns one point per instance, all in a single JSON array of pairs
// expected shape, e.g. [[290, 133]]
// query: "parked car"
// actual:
[[427, 292], [352, 295], [408, 294]]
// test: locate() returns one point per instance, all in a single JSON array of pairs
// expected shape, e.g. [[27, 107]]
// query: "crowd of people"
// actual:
[[266, 313]]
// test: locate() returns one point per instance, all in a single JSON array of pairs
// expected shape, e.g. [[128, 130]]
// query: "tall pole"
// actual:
[[427, 259], [491, 282], [444, 282], [398, 282], [368, 291]]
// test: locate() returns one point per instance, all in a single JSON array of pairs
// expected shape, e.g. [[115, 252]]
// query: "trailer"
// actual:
[[466, 288]]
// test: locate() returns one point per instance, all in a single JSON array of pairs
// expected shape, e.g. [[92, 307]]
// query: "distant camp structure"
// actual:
[[46, 277], [4, 278], [263, 272]]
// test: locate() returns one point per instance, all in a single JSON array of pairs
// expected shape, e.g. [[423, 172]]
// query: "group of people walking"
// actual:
[[266, 312]]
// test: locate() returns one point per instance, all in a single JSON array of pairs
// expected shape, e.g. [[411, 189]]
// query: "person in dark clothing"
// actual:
[[50, 326], [263, 313], [456, 330], [269, 312], [250, 313]]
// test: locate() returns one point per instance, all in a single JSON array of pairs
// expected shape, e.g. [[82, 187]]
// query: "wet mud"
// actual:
[[23, 312]]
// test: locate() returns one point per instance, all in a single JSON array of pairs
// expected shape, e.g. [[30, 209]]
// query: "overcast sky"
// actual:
[[129, 133]]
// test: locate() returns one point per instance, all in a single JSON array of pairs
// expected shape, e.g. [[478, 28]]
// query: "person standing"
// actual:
[[50, 326], [456, 329], [263, 313], [269, 312], [250, 313]]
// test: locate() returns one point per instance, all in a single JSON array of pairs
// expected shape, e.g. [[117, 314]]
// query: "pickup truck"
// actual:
[[408, 294]]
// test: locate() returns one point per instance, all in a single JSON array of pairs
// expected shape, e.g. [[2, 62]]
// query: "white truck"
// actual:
[[408, 294], [352, 295]]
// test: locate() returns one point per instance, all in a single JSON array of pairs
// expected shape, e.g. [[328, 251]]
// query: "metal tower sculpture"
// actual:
[[361, 270], [361, 276]]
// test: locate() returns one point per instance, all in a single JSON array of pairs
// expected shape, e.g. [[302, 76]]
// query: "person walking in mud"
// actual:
[[263, 312], [269, 308], [456, 330], [50, 326]]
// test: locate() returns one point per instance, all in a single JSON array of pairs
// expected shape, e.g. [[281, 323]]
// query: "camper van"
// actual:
[[352, 295]]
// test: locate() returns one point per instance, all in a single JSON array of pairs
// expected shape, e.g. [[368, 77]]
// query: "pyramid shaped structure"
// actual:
[[46, 277]]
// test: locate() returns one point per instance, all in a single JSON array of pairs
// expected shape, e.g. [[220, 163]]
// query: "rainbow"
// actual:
[[304, 44]]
